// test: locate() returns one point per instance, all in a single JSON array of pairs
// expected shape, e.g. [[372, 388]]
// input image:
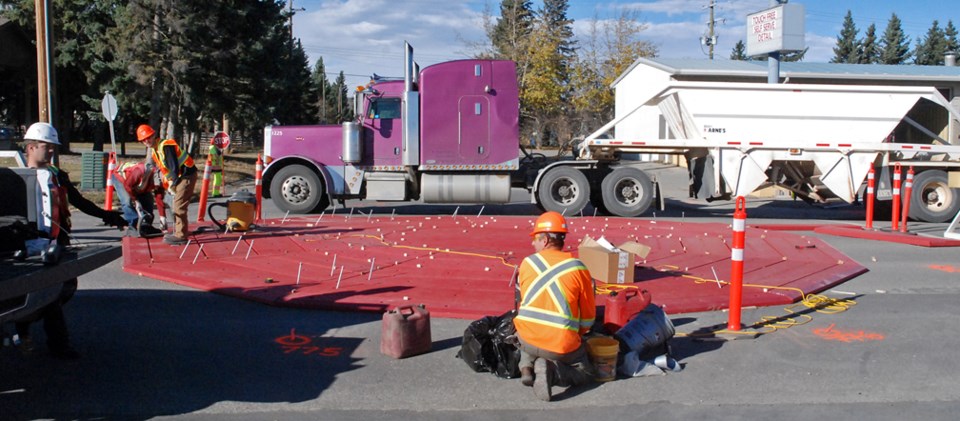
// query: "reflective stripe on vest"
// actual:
[[183, 158], [548, 282]]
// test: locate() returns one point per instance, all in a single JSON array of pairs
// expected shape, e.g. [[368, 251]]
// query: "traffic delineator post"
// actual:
[[907, 191], [870, 197], [736, 264], [895, 220], [258, 180], [204, 189], [111, 167]]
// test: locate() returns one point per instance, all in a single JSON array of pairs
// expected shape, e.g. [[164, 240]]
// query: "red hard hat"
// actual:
[[144, 132], [552, 222]]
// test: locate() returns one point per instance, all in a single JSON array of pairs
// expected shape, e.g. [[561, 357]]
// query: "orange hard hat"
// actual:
[[551, 222], [144, 132]]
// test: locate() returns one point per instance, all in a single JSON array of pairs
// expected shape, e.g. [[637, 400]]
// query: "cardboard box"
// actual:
[[613, 265]]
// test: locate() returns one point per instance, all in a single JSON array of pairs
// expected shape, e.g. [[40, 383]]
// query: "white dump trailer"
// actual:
[[817, 141]]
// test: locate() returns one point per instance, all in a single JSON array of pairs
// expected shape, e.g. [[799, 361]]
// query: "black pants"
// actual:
[[54, 322]]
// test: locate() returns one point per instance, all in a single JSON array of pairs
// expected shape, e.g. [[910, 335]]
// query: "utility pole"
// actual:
[[44, 96], [713, 5], [292, 12], [711, 39]]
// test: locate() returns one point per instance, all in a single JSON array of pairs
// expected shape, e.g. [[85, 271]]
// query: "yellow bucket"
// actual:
[[603, 354]]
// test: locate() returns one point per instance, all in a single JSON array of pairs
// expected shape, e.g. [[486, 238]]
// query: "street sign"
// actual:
[[109, 106]]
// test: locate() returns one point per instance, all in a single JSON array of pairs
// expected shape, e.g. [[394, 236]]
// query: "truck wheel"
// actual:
[[932, 199], [565, 190], [627, 192], [297, 189]]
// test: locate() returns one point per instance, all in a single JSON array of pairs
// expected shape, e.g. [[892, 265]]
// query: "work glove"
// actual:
[[115, 219]]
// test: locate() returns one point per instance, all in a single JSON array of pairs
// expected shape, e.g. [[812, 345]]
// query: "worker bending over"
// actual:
[[136, 187], [556, 306]]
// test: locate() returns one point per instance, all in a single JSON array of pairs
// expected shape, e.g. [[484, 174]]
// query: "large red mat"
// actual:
[[462, 266]]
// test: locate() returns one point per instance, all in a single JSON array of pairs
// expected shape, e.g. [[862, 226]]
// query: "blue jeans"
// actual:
[[129, 208]]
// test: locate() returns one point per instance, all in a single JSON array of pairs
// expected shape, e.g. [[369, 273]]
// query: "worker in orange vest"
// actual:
[[179, 175], [555, 307]]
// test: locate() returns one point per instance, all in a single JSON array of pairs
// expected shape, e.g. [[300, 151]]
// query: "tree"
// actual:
[[869, 50], [847, 47], [895, 46], [794, 56], [610, 47], [950, 37], [930, 49], [739, 51]]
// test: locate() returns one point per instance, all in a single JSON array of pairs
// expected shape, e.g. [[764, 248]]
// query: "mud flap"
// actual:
[[884, 187]]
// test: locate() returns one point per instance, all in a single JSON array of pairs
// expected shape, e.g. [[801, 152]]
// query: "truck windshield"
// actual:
[[384, 108]]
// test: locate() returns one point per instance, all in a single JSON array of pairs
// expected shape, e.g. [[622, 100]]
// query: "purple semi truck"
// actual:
[[446, 134]]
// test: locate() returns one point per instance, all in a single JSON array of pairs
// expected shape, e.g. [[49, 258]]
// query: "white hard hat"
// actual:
[[42, 132]]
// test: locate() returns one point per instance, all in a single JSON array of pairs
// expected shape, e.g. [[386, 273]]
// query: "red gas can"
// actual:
[[405, 332], [622, 305]]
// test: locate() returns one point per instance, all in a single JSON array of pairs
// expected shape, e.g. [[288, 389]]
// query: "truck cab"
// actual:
[[447, 133]]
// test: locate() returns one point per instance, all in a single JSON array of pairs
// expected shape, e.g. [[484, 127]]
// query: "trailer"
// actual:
[[817, 141], [446, 134], [450, 134]]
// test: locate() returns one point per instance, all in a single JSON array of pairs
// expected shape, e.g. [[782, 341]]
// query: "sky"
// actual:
[[361, 37]]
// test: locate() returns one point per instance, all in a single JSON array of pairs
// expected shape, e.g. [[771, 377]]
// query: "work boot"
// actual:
[[173, 240], [543, 380], [526, 376], [148, 231]]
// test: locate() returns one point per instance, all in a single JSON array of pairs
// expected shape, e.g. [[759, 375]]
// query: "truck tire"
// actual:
[[932, 199], [565, 190], [627, 192], [297, 189]]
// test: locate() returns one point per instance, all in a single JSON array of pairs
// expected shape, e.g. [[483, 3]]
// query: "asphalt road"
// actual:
[[155, 350]]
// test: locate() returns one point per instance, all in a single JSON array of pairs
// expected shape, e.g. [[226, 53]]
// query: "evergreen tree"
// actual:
[[325, 106], [510, 33], [930, 49], [869, 50], [794, 56], [847, 47], [739, 51], [895, 46], [950, 37], [554, 17]]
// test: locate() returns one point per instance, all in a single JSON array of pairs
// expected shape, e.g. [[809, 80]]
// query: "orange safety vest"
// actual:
[[556, 301], [59, 205], [183, 159]]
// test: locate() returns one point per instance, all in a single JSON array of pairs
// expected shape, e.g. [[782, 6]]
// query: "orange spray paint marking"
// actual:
[[300, 344], [945, 268], [831, 334]]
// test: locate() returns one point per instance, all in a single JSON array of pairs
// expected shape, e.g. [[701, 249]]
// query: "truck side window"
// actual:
[[384, 108]]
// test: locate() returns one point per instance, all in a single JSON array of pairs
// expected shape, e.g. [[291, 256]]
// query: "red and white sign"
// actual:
[[779, 28]]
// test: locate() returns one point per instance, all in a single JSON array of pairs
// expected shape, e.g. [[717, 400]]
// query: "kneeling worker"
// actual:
[[136, 186], [556, 307]]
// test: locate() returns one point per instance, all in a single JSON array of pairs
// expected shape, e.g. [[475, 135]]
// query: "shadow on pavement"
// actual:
[[160, 353]]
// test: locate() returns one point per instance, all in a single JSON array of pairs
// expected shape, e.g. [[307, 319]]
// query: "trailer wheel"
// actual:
[[932, 199], [297, 189], [627, 192], [565, 190]]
